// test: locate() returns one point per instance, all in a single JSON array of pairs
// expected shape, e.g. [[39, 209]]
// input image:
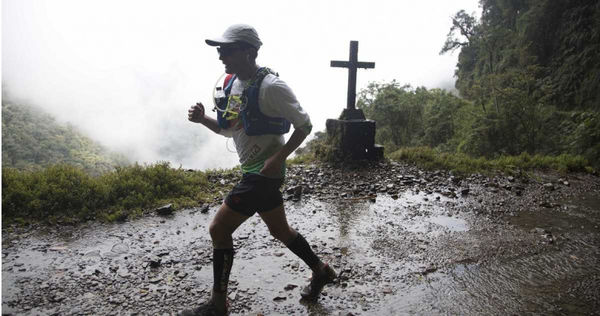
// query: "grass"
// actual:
[[64, 193], [429, 158], [67, 194]]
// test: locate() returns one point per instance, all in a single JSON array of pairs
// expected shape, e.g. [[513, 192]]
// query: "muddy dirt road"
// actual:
[[403, 241]]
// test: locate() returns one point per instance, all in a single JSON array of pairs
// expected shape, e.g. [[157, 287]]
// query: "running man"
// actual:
[[258, 108]]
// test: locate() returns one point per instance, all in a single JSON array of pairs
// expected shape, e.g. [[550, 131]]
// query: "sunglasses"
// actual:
[[225, 51]]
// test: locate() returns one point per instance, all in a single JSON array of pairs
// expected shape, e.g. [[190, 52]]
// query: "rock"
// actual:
[[538, 230], [155, 262], [290, 287], [58, 248], [428, 270], [233, 295], [123, 273], [91, 254], [162, 252], [549, 186], [546, 204], [121, 217], [120, 248], [57, 297], [280, 298], [204, 209], [165, 210], [155, 280], [464, 191], [118, 300], [297, 190]]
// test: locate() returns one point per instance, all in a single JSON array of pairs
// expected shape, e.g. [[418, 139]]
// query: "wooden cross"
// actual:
[[352, 65]]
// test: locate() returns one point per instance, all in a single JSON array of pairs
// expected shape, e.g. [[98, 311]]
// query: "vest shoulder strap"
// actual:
[[228, 83], [261, 74]]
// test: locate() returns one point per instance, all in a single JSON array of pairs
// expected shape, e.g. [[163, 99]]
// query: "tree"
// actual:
[[465, 25]]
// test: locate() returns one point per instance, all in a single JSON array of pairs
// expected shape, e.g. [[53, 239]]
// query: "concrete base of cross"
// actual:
[[352, 114], [354, 139]]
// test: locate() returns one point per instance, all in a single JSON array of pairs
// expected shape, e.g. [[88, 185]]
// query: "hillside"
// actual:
[[32, 140]]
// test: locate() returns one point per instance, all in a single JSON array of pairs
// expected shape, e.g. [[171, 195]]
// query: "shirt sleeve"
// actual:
[[276, 99]]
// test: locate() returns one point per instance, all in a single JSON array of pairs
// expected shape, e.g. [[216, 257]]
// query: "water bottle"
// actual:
[[220, 98]]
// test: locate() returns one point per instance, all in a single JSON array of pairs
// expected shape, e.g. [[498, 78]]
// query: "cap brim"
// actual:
[[218, 41]]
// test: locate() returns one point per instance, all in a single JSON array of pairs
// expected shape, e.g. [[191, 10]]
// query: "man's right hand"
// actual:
[[196, 113]]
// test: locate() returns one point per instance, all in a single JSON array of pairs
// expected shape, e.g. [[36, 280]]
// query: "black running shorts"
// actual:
[[255, 193]]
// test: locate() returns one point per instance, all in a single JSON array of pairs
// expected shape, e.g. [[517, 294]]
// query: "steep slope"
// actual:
[[32, 139]]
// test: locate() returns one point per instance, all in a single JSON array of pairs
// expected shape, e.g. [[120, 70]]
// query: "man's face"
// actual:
[[234, 56]]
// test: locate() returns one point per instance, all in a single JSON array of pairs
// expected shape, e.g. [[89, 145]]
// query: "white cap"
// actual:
[[237, 33]]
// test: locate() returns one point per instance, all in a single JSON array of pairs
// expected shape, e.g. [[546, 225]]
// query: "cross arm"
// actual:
[[365, 65], [347, 64], [339, 63]]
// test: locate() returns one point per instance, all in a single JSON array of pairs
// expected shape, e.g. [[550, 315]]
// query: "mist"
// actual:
[[126, 72]]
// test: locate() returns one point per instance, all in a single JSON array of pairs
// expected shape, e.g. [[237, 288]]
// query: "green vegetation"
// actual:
[[528, 79], [52, 173], [429, 158], [32, 140], [68, 194], [530, 72], [528, 97]]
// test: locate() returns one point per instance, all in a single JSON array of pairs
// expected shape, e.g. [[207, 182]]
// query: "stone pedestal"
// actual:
[[352, 114], [353, 139]]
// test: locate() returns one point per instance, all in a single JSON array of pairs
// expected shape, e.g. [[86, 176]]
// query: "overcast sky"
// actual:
[[126, 72]]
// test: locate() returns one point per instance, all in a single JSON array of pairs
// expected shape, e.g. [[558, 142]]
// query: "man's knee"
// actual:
[[217, 231]]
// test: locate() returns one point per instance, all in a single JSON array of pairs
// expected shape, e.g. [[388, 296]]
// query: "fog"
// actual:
[[126, 72]]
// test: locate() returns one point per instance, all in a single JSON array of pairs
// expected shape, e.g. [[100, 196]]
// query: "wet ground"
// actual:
[[403, 241]]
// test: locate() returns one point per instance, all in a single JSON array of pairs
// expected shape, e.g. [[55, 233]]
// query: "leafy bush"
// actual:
[[71, 194], [586, 137], [434, 159]]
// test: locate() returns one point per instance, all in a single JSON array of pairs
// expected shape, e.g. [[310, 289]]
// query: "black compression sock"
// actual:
[[301, 248], [222, 263]]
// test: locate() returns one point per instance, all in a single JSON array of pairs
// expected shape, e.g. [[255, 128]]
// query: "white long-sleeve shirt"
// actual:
[[275, 99]]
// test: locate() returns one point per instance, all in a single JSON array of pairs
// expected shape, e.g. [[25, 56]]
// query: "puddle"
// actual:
[[538, 284], [576, 215], [417, 254], [451, 223], [548, 281]]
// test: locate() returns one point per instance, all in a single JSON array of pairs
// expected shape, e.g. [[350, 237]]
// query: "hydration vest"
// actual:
[[253, 120]]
